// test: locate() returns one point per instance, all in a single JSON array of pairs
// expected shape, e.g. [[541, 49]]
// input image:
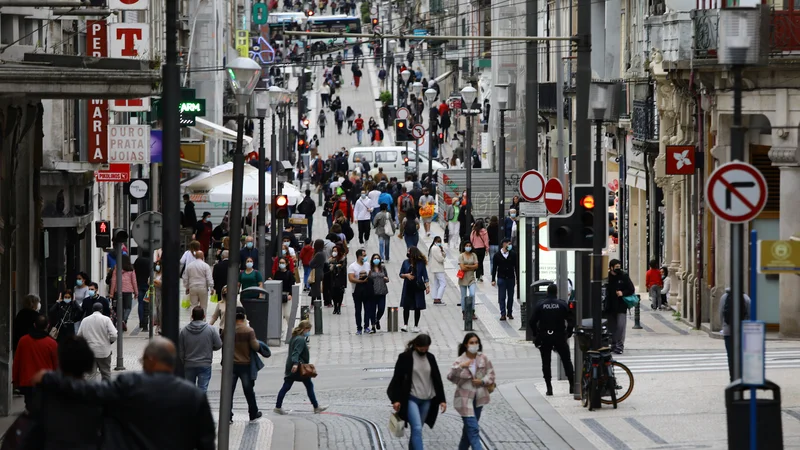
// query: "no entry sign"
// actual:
[[554, 195], [531, 185], [736, 192]]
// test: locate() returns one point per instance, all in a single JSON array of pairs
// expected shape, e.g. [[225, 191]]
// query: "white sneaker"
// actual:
[[320, 408], [280, 411], [404, 328], [415, 330]]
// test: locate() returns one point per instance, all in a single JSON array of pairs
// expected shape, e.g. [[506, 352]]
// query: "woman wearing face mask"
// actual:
[[285, 256], [379, 277], [416, 390], [436, 257], [415, 286], [298, 354], [81, 288], [337, 274], [250, 277], [480, 243], [510, 225], [130, 289], [63, 315], [286, 277], [472, 373], [467, 265]]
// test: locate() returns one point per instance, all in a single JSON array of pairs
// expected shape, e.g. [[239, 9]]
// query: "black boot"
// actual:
[[571, 387], [549, 388]]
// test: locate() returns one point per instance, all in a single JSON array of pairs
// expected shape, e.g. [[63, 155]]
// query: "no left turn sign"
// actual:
[[736, 192]]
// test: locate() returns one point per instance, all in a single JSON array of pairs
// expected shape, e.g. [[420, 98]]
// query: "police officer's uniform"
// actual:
[[552, 324]]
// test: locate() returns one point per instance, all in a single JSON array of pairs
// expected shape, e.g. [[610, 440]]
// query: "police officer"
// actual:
[[552, 324]]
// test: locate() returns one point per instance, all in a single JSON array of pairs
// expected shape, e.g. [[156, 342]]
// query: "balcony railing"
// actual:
[[643, 121], [705, 23]]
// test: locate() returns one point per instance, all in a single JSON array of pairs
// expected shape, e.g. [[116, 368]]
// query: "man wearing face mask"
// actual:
[[203, 231], [363, 214], [504, 275], [248, 251], [552, 325], [93, 296], [510, 225], [619, 285], [357, 274]]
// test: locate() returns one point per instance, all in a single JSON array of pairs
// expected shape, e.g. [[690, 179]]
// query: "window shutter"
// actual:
[[759, 158]]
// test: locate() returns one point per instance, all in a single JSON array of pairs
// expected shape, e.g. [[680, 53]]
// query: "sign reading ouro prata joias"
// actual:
[[129, 144], [129, 40], [97, 46]]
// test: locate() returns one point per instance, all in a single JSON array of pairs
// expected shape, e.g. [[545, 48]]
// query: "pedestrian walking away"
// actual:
[[726, 318], [358, 275], [409, 228], [350, 117], [305, 255], [25, 318], [385, 229], [197, 343], [199, 280], [436, 258], [505, 268], [416, 390], [415, 286], [378, 277], [244, 342], [36, 351], [653, 284], [141, 268], [129, 289], [322, 121], [467, 280], [336, 277], [494, 240], [616, 310], [100, 333], [298, 356], [552, 324], [317, 272], [473, 375]]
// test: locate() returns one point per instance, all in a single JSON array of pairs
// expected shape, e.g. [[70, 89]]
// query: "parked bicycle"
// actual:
[[602, 378]]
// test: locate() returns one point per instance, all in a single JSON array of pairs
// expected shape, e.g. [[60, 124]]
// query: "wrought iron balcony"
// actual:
[[705, 23], [644, 122]]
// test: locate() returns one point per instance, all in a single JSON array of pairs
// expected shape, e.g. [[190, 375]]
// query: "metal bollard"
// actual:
[[305, 312], [317, 316], [636, 314], [469, 309], [523, 319], [391, 319]]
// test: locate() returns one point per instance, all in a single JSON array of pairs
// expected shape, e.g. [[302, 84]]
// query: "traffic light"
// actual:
[[306, 123], [280, 207], [301, 145], [374, 22], [401, 131], [576, 231], [309, 12], [102, 234]]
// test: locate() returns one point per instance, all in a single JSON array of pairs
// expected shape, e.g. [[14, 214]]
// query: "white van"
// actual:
[[392, 159]]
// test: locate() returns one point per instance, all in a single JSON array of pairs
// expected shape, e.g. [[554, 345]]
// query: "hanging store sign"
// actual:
[[97, 135], [243, 43], [680, 160], [128, 4], [129, 40], [129, 144]]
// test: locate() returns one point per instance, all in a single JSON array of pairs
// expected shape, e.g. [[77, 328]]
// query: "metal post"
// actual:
[[273, 223], [151, 221], [262, 200], [582, 168], [120, 310], [416, 158], [226, 396], [597, 252], [501, 174], [154, 192], [753, 317], [637, 315], [531, 143], [468, 167], [170, 198], [469, 310], [737, 231]]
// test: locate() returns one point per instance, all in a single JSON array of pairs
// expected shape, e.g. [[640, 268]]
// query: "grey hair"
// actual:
[[31, 301], [162, 350], [225, 254]]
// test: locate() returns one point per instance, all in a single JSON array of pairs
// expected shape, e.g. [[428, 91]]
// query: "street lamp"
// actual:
[[404, 76], [430, 96], [506, 96], [468, 95], [602, 108], [243, 75], [390, 46], [278, 98]]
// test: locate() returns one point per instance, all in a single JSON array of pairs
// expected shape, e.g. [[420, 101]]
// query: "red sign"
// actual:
[[553, 195], [680, 160], [97, 46], [531, 185], [736, 192], [115, 173]]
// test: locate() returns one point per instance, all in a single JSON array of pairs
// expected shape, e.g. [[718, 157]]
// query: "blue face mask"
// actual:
[[283, 252], [282, 266], [249, 245], [68, 300], [207, 219], [509, 247], [376, 261], [91, 292], [249, 265], [78, 282], [364, 259], [307, 334]]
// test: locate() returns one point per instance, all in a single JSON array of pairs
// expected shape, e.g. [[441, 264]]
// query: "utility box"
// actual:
[[274, 316]]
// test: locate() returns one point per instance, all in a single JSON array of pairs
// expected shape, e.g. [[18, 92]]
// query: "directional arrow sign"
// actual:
[[736, 192]]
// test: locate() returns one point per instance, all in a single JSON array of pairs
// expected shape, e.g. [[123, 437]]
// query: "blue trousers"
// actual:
[[287, 385], [242, 372], [505, 296], [199, 376], [380, 307], [471, 433], [417, 412], [411, 240]]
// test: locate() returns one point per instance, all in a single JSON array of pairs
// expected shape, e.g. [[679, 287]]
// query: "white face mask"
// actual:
[[473, 349], [334, 254]]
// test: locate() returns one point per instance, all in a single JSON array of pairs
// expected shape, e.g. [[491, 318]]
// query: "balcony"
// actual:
[[644, 122]]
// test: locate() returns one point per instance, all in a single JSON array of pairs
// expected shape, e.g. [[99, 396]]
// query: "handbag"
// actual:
[[396, 425], [387, 226], [460, 274], [631, 300], [491, 387], [307, 371], [312, 277], [56, 329], [420, 282]]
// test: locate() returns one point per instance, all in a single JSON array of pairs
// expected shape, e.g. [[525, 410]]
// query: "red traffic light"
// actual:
[[103, 227], [301, 142], [401, 124], [306, 122], [588, 202], [282, 200], [374, 21]]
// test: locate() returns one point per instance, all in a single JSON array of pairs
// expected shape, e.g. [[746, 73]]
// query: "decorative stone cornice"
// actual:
[[785, 156]]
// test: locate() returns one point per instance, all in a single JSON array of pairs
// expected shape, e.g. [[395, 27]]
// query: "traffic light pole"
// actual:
[[120, 307], [262, 201], [599, 238]]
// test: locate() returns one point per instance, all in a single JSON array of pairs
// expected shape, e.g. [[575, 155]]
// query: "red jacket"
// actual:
[[290, 261], [653, 278], [36, 351], [306, 254], [345, 207]]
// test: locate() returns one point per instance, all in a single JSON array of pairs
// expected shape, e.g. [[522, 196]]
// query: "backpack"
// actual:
[[727, 311], [410, 228], [406, 202]]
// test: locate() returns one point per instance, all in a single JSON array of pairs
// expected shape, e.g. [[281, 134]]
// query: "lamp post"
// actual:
[[243, 74], [262, 104], [404, 76], [468, 96], [506, 94], [602, 108], [416, 90], [430, 96], [390, 46]]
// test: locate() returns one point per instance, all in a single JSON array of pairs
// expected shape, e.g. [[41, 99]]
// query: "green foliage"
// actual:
[[385, 97]]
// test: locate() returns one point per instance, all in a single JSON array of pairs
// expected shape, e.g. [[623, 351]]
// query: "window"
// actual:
[[386, 156], [362, 156], [7, 24]]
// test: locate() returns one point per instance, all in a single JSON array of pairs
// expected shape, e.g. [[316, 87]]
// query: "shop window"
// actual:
[[759, 157]]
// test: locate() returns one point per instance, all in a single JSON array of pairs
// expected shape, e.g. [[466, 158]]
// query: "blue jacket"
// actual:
[[508, 223], [255, 362]]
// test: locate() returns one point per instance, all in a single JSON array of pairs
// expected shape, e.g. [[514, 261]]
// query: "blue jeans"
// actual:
[[411, 240], [199, 376], [140, 305], [242, 372], [359, 135], [417, 413], [467, 291], [492, 250], [306, 273], [729, 350], [383, 246], [471, 433], [505, 295], [287, 385]]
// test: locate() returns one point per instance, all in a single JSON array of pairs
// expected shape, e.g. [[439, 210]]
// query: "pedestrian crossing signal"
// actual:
[[102, 234]]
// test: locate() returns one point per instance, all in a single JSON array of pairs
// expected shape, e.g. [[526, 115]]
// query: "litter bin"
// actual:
[[768, 421], [539, 292], [257, 310]]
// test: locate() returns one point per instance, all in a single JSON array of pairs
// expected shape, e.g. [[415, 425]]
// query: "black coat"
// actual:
[[618, 282], [23, 324], [399, 389], [318, 266], [183, 421], [220, 275], [88, 306]]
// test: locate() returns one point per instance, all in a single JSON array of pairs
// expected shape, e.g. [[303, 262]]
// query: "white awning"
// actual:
[[636, 178], [213, 130]]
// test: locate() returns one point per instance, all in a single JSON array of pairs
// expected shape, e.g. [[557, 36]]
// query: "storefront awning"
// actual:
[[636, 178], [217, 131]]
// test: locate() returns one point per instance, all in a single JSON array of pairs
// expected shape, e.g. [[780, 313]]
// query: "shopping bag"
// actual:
[[214, 298], [185, 303], [396, 426]]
